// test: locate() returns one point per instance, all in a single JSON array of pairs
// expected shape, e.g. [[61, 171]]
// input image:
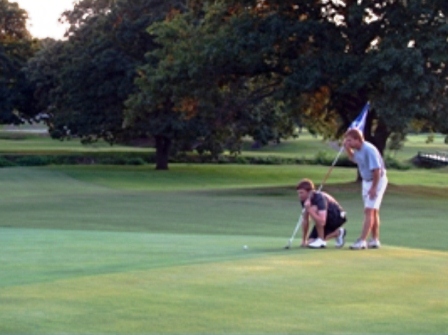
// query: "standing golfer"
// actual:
[[374, 182], [327, 214]]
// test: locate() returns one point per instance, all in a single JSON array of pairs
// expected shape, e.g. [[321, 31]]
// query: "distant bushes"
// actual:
[[4, 162], [74, 159], [322, 158], [392, 163], [249, 160]]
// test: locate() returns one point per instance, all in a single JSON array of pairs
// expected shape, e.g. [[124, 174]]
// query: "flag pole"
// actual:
[[330, 170]]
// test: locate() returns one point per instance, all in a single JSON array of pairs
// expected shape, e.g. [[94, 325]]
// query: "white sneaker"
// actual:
[[317, 243], [374, 244], [358, 245], [340, 240]]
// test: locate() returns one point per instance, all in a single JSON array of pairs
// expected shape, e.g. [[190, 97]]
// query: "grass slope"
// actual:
[[120, 250]]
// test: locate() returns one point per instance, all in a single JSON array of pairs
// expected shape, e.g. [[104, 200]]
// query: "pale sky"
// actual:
[[44, 15]]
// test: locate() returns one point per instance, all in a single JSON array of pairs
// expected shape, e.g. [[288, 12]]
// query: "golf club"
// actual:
[[296, 229]]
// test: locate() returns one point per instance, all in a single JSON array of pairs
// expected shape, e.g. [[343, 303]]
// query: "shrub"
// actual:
[[32, 161], [4, 162], [392, 163], [345, 162], [135, 161], [323, 158], [242, 160]]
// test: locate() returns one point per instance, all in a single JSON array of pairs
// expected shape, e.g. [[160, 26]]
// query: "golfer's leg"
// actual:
[[368, 222], [320, 231], [313, 235], [332, 228], [376, 215], [376, 225], [333, 234]]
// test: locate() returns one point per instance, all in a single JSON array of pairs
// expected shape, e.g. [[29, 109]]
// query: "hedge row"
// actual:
[[322, 158], [75, 159]]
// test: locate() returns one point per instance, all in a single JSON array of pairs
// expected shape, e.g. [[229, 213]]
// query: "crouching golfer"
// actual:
[[327, 214]]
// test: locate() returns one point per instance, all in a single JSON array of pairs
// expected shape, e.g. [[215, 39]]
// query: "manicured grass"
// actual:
[[197, 177], [32, 143], [130, 250], [305, 146], [415, 143], [170, 284]]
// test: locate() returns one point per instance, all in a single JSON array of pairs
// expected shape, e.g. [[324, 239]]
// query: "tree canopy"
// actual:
[[204, 74], [317, 61], [16, 47], [85, 80]]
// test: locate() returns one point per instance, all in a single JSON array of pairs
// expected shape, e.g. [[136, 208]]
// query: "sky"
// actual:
[[44, 15]]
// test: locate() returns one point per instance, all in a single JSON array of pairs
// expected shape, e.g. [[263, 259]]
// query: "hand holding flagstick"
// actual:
[[359, 123]]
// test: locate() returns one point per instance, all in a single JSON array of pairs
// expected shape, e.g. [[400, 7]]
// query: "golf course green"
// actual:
[[130, 250]]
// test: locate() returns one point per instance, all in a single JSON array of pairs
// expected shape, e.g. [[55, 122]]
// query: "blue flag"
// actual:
[[360, 122]]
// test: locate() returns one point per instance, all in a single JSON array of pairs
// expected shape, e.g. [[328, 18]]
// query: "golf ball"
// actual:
[[245, 247]]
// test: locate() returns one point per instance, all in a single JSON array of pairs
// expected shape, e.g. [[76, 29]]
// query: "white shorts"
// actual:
[[381, 189]]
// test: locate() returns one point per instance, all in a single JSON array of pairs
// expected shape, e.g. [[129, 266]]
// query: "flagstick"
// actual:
[[331, 169]]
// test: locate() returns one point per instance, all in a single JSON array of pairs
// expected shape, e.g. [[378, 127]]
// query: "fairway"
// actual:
[[128, 250]]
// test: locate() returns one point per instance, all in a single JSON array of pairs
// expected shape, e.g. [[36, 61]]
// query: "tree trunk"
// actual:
[[380, 137], [163, 145], [376, 135]]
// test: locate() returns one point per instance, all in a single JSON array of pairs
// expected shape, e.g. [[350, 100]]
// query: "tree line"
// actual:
[[201, 75]]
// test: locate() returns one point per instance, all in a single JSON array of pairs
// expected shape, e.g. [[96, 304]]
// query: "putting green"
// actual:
[[82, 253], [122, 283]]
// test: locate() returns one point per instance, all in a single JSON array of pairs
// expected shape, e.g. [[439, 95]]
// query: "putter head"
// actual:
[[288, 246]]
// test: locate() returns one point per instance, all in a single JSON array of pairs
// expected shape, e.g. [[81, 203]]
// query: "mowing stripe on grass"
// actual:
[[211, 285], [87, 254]]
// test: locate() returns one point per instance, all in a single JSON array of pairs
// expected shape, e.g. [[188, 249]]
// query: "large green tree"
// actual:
[[83, 81], [320, 61], [217, 71], [16, 47], [216, 77], [402, 69]]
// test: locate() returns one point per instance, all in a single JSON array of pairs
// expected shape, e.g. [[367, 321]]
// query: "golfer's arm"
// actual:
[[349, 152], [376, 178], [305, 226]]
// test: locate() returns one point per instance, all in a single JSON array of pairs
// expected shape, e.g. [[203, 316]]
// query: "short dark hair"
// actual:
[[305, 184]]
